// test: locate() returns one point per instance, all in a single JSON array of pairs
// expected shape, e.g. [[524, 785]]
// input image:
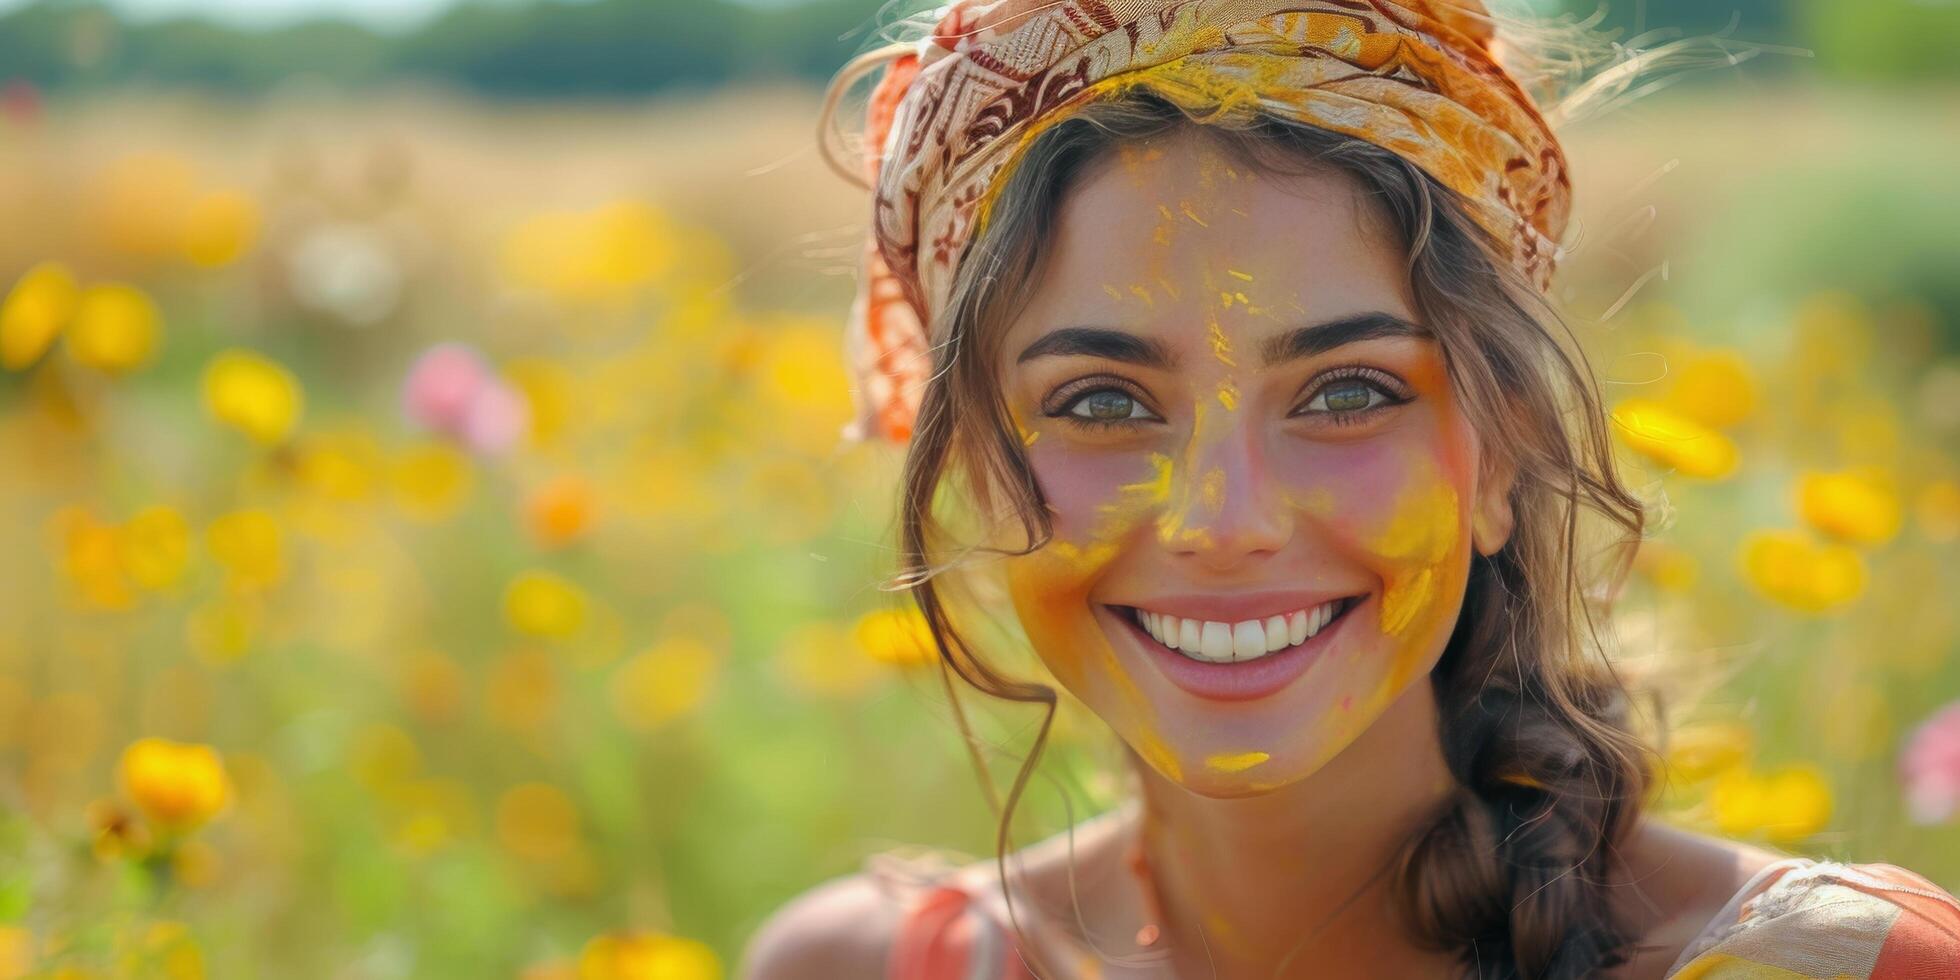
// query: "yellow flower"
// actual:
[[248, 544], [178, 785], [16, 952], [92, 556], [1698, 752], [1788, 804], [549, 390], [156, 547], [647, 956], [540, 603], [664, 683], [1807, 575], [219, 227], [1715, 388], [115, 329], [804, 369], [591, 256], [339, 465], [896, 636], [432, 480], [1674, 440], [1858, 507], [253, 395], [34, 312], [139, 202]]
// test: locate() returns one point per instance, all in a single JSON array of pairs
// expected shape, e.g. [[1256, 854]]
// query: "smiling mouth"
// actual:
[[1214, 642]]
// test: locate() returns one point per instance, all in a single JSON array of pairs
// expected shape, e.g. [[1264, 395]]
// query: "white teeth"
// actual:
[[1248, 639], [1218, 642]]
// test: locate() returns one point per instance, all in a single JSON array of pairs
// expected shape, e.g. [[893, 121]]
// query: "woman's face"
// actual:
[[1244, 432]]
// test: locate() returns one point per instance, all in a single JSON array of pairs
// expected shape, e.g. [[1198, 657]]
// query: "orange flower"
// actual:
[[560, 511], [177, 785]]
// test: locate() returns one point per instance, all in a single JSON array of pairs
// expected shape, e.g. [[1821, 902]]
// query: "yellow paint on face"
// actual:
[[1140, 292], [1236, 274], [1423, 533], [1214, 491], [1228, 395], [1185, 206], [1221, 347], [1235, 762]]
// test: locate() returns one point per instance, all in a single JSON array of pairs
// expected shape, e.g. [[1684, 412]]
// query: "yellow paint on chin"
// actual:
[[1235, 762]]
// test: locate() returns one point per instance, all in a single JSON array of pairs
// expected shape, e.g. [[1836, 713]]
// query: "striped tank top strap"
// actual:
[[946, 935]]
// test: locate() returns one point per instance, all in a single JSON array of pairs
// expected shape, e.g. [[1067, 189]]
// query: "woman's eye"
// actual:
[[1347, 397], [1108, 405]]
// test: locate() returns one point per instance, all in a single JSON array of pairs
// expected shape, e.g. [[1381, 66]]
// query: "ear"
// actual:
[[1492, 521]]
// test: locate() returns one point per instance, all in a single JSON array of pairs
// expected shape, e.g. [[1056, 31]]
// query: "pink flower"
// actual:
[[497, 417], [452, 390], [1930, 767]]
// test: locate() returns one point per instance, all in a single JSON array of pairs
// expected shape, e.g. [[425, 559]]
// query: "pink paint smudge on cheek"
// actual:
[[1347, 702]]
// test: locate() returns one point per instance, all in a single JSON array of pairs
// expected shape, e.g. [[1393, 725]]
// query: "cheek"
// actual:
[[1096, 502], [1398, 508]]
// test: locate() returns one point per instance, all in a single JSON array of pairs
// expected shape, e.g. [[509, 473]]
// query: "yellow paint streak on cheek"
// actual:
[[1235, 762], [1214, 491], [1422, 535]]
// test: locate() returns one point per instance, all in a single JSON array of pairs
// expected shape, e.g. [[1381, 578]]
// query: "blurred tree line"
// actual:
[[628, 47]]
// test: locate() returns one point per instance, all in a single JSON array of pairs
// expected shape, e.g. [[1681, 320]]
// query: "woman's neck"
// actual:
[[1255, 885]]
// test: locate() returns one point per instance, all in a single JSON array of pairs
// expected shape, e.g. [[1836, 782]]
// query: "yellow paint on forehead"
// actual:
[[1228, 395], [1236, 274], [1143, 293], [1235, 762], [1221, 347], [1192, 213]]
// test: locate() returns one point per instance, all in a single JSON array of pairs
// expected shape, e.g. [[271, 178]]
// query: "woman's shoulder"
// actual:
[[918, 913], [907, 914], [839, 928], [1868, 921]]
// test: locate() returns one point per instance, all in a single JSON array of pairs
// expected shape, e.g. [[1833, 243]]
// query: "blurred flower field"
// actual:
[[426, 548]]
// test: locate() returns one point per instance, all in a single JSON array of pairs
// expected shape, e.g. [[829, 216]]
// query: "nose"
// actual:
[[1227, 505]]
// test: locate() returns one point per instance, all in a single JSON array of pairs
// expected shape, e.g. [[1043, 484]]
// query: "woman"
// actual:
[[1216, 332]]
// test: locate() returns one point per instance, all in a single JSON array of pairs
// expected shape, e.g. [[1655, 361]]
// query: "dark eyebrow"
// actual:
[[1323, 337], [1115, 345]]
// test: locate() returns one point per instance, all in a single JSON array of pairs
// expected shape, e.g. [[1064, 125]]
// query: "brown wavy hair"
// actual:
[[1535, 723]]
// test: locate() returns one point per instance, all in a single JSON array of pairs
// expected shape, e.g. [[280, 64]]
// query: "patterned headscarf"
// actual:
[[950, 116]]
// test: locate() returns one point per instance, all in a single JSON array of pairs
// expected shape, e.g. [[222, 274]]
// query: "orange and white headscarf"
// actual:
[[951, 114]]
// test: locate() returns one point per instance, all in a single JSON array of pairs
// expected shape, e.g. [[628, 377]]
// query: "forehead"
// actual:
[[1173, 235]]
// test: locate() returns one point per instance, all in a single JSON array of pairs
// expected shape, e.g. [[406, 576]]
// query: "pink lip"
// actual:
[[1239, 606], [1237, 681]]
